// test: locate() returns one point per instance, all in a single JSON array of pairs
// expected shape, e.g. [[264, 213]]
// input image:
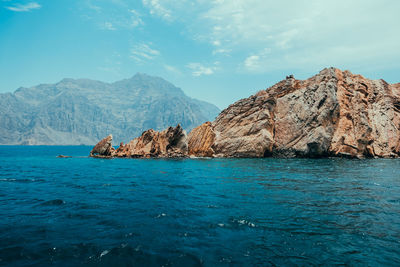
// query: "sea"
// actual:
[[83, 211]]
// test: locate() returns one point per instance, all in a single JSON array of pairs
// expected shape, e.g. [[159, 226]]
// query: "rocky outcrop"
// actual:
[[103, 148], [171, 142], [63, 156], [334, 113]]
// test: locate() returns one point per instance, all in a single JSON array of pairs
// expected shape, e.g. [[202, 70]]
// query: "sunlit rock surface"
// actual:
[[334, 113], [103, 148], [171, 142]]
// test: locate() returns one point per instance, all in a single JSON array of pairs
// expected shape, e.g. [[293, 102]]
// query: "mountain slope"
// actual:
[[82, 111]]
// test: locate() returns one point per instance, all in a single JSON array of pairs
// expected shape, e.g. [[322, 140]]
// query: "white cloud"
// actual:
[[172, 69], [112, 14], [109, 26], [304, 34], [300, 34], [24, 7], [221, 51], [252, 62], [92, 6], [142, 52], [135, 18], [257, 62], [157, 8], [199, 69], [173, 10], [216, 43]]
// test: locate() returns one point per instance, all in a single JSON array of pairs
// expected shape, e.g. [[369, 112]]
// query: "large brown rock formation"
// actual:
[[171, 142], [334, 113]]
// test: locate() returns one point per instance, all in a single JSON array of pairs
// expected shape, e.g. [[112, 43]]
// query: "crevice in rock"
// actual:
[[397, 106], [321, 102]]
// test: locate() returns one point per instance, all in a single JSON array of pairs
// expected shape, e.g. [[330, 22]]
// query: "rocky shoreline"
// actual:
[[332, 114]]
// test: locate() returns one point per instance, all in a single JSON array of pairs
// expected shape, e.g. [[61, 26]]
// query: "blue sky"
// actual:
[[218, 51]]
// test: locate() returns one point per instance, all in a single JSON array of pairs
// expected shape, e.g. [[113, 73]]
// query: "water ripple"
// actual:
[[212, 212]]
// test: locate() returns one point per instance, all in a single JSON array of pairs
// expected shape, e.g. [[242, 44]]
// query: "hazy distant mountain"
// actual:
[[84, 111]]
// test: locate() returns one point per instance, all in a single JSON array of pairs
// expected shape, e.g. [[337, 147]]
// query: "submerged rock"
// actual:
[[63, 156], [334, 113]]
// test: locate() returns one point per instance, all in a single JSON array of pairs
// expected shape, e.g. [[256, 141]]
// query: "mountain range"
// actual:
[[81, 111]]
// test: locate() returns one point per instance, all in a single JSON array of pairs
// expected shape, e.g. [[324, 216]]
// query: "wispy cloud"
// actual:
[[172, 69], [258, 61], [109, 26], [112, 15], [135, 18], [144, 51], [157, 8], [199, 69], [301, 34], [252, 62], [221, 51], [92, 6], [172, 10], [24, 7], [304, 34]]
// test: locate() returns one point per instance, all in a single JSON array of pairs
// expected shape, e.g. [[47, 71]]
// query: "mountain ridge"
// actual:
[[80, 111]]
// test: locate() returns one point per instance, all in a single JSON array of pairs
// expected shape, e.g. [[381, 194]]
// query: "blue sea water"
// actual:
[[82, 211]]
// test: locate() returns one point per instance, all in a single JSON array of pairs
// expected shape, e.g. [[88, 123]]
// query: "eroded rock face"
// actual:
[[334, 113], [201, 139], [369, 117], [103, 148], [171, 142]]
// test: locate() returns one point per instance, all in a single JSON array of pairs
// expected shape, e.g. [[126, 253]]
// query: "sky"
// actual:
[[218, 50]]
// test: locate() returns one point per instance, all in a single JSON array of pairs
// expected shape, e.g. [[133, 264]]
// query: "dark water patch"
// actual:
[[13, 254], [165, 196], [125, 255], [81, 216], [180, 186], [22, 180], [54, 202], [88, 254]]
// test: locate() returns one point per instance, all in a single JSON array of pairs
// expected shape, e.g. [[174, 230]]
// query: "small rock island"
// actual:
[[332, 114]]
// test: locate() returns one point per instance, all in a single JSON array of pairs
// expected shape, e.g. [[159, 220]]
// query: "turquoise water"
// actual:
[[195, 212]]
